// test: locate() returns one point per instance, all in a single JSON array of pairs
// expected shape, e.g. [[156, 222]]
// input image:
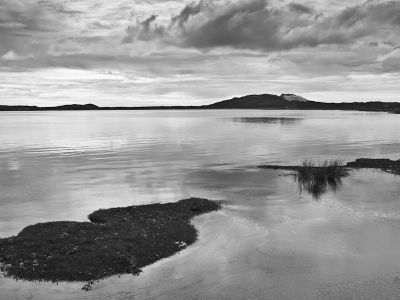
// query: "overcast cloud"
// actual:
[[152, 52]]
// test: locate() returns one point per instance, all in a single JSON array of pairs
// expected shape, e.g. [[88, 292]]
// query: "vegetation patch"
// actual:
[[115, 241], [384, 164], [318, 178]]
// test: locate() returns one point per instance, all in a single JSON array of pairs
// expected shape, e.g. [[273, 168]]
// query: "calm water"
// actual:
[[270, 241]]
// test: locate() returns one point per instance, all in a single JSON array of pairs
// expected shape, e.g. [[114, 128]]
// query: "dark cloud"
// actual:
[[258, 25], [246, 25], [144, 31], [22, 23], [387, 13], [12, 25], [300, 8], [29, 16], [205, 24], [40, 31], [147, 23], [101, 25], [189, 11], [349, 17]]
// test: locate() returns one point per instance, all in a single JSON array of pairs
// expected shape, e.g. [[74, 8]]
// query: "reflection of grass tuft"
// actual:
[[318, 177]]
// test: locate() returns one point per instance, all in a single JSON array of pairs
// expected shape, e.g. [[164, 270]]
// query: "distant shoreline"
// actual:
[[263, 101], [74, 107], [11, 108]]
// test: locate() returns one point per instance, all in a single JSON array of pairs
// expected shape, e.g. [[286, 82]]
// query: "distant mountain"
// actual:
[[266, 101], [291, 101], [251, 101]]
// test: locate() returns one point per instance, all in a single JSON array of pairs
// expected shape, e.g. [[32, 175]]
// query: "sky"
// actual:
[[185, 52]]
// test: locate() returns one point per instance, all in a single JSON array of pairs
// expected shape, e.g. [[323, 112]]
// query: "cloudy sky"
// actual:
[[185, 52]]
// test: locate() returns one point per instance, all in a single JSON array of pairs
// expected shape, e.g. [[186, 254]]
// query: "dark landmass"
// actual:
[[384, 164], [115, 241], [263, 101], [90, 107], [268, 101]]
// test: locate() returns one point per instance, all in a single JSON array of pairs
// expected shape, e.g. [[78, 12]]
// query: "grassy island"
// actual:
[[115, 241]]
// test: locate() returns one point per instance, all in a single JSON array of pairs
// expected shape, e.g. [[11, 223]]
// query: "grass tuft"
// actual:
[[318, 177]]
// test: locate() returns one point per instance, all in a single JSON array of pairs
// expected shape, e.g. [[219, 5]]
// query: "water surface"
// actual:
[[269, 242]]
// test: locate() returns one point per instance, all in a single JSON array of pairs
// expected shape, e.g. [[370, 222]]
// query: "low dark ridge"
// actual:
[[116, 241], [261, 101], [384, 164]]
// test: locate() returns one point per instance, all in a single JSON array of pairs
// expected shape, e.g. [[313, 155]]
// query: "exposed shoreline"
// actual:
[[115, 241]]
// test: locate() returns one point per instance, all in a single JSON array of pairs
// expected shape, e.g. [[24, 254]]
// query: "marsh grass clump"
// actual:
[[319, 177]]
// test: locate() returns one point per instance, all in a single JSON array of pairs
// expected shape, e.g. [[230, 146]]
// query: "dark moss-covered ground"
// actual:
[[384, 164], [115, 241]]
